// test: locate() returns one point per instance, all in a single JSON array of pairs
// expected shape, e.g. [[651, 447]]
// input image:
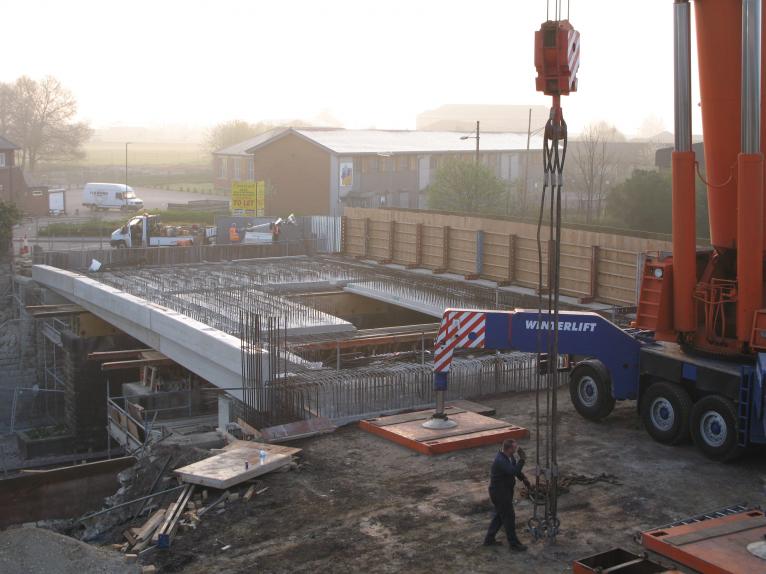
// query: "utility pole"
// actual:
[[477, 142], [526, 164], [126, 172]]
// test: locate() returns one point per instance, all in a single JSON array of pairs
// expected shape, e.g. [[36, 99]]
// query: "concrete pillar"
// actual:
[[224, 412]]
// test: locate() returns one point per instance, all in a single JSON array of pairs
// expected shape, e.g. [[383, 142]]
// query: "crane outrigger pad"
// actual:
[[472, 430], [716, 545]]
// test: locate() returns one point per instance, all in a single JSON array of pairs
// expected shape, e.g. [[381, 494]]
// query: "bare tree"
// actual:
[[233, 132], [39, 118], [595, 164]]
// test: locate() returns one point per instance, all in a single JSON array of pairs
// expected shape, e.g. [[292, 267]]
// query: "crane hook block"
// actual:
[[557, 58]]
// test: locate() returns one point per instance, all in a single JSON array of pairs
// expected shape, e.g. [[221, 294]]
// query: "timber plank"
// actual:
[[299, 429], [232, 467], [269, 448]]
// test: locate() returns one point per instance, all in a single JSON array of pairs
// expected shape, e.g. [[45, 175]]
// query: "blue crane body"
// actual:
[[609, 363]]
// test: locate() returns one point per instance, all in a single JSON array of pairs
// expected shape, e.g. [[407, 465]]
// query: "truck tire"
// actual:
[[120, 245], [590, 388], [714, 428], [665, 409]]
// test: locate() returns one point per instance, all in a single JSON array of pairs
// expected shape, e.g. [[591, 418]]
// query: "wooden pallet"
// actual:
[[471, 431]]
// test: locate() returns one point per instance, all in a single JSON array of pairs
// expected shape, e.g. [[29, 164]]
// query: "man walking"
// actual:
[[505, 470]]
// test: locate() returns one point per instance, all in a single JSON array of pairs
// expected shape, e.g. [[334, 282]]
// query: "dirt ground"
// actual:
[[360, 503]]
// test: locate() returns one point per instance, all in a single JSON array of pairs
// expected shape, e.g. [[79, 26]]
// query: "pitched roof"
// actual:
[[242, 147], [6, 145], [347, 142]]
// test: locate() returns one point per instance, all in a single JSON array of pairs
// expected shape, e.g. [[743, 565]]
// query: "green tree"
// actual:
[[644, 202], [466, 187], [9, 216], [38, 116]]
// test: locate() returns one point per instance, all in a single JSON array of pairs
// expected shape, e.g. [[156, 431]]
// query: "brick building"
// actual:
[[317, 171], [13, 185]]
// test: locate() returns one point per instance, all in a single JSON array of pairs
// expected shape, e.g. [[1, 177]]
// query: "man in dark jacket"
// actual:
[[505, 470]]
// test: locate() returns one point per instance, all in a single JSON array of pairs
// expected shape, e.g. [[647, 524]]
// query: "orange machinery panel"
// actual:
[[472, 430], [758, 337], [618, 561], [655, 302], [712, 546]]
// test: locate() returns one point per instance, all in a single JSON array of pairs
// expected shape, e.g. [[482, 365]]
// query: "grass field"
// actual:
[[145, 154]]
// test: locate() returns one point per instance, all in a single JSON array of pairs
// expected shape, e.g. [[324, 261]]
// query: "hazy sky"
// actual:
[[378, 64]]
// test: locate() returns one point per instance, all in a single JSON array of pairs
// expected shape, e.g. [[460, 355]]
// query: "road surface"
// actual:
[[153, 199]]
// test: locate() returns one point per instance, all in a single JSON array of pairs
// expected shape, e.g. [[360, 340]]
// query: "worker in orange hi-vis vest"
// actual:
[[233, 233]]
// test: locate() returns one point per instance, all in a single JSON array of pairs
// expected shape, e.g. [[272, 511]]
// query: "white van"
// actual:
[[104, 196]]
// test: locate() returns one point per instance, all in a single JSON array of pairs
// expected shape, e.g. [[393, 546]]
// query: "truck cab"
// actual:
[[135, 233]]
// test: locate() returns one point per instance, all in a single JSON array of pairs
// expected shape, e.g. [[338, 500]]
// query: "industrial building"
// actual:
[[317, 171]]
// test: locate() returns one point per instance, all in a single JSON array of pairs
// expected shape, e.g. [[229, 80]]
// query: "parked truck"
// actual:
[[103, 196], [147, 231]]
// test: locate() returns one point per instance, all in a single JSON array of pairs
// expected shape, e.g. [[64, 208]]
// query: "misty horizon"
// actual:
[[365, 66]]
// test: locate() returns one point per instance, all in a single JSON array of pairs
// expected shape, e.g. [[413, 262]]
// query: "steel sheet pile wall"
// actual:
[[405, 236], [596, 265], [462, 251], [433, 247]]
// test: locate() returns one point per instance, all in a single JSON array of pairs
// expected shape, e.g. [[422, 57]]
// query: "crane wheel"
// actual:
[[714, 428], [590, 388], [665, 409]]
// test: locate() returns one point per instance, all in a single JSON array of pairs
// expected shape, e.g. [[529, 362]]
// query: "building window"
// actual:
[[434, 162], [251, 169], [2, 160], [223, 173], [385, 164], [401, 163], [371, 163], [413, 163], [237, 169]]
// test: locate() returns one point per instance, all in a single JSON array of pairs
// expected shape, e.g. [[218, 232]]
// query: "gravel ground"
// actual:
[[39, 551], [363, 504]]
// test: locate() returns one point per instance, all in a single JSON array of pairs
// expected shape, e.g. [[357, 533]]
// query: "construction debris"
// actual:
[[296, 430], [165, 533]]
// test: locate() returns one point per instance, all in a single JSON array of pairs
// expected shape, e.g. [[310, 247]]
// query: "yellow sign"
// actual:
[[248, 197], [260, 197]]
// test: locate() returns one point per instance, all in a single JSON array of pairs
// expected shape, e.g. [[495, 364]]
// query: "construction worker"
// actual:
[[233, 233], [506, 469]]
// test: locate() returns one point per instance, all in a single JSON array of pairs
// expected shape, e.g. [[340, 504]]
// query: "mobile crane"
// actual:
[[695, 359]]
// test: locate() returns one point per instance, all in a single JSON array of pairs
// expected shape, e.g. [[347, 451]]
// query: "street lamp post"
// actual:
[[387, 155], [126, 171], [477, 137]]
